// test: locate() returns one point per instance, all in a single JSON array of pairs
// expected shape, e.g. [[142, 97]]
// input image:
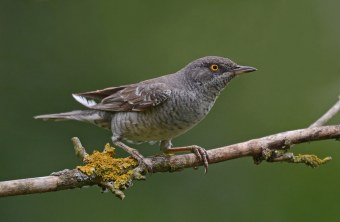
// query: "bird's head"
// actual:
[[213, 71]]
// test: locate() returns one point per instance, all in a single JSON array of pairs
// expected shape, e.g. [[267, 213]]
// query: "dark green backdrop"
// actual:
[[50, 49]]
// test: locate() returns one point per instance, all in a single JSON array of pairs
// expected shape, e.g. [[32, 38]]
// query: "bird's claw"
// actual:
[[136, 155], [141, 161], [202, 154]]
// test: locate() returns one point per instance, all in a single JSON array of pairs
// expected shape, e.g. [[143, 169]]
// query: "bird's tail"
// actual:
[[90, 116]]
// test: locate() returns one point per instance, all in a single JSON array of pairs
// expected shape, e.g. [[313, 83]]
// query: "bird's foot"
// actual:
[[200, 152], [141, 161], [136, 155]]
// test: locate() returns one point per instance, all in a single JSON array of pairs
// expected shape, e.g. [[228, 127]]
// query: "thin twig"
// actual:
[[328, 115], [78, 148]]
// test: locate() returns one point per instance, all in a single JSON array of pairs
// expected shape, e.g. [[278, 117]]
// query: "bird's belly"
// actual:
[[153, 125], [142, 134]]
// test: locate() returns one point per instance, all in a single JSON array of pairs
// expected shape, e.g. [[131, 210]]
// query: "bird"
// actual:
[[158, 109]]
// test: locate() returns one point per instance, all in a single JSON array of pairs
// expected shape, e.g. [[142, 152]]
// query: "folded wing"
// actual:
[[135, 97]]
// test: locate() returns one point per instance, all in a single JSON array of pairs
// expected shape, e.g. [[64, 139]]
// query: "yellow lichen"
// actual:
[[310, 160], [107, 168]]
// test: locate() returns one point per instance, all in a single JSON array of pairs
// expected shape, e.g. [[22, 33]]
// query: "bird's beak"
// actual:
[[238, 70]]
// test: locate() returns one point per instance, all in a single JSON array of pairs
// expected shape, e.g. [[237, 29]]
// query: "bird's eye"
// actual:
[[214, 67]]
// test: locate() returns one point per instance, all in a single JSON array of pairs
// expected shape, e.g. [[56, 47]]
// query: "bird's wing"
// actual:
[[135, 97], [100, 94]]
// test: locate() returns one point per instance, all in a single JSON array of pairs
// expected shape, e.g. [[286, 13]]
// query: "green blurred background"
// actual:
[[50, 49]]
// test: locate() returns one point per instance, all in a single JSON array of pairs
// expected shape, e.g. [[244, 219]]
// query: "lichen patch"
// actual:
[[109, 169]]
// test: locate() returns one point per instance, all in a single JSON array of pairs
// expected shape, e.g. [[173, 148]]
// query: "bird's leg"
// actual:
[[200, 152], [165, 145], [135, 154]]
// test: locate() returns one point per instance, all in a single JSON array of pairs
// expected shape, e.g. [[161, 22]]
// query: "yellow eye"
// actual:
[[214, 67]]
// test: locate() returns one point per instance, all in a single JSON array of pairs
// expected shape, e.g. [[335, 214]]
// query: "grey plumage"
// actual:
[[158, 109]]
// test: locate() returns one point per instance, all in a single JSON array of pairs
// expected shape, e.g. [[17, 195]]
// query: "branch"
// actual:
[[66, 179], [256, 148], [117, 174]]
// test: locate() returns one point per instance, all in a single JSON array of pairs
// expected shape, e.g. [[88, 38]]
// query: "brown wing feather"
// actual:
[[102, 93], [135, 97]]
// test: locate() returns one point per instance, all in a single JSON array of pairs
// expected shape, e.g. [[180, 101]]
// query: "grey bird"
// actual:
[[158, 109]]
